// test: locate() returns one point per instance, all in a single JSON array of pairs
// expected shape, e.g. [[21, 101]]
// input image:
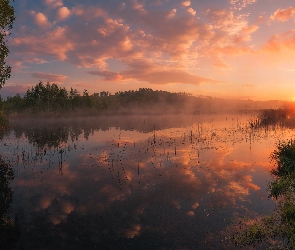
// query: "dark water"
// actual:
[[138, 182]]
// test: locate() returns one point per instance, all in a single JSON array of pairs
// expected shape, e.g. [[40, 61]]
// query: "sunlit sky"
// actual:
[[225, 48]]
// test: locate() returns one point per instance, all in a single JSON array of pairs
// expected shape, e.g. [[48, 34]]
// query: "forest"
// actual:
[[50, 98]]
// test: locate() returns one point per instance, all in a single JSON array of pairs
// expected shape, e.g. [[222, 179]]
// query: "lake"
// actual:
[[138, 182]]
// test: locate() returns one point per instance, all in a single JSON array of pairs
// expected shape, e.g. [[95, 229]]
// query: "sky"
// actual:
[[221, 48]]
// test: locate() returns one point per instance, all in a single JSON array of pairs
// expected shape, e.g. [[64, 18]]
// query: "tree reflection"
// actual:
[[51, 133], [9, 230], [277, 230]]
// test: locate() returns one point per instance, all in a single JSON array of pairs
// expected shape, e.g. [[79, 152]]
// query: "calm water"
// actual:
[[139, 182]]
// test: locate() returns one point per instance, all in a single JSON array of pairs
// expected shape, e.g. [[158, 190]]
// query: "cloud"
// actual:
[[155, 77], [132, 31], [49, 77], [54, 3], [281, 42], [41, 20], [63, 13], [273, 44], [11, 89], [186, 3], [191, 11], [283, 15], [240, 4], [53, 43], [88, 12], [153, 74], [229, 35]]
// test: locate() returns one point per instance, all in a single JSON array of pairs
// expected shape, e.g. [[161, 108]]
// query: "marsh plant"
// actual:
[[277, 230]]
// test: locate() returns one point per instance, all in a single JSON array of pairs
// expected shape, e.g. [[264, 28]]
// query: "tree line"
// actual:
[[52, 98]]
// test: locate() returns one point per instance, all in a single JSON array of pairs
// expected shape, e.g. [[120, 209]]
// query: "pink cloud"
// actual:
[[49, 77], [129, 32], [283, 15], [11, 89], [41, 20], [53, 43], [153, 74], [63, 13], [89, 13]]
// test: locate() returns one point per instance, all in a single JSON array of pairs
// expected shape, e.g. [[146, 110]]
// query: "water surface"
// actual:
[[138, 182]]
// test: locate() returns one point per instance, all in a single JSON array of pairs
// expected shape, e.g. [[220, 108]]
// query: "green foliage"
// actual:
[[6, 21], [288, 212], [284, 156], [281, 186], [276, 231], [4, 122], [52, 98], [6, 175], [45, 97]]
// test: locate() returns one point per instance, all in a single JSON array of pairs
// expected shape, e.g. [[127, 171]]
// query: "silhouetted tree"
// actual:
[[6, 21]]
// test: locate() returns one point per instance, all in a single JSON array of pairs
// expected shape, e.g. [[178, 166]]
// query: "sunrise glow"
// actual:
[[229, 48]]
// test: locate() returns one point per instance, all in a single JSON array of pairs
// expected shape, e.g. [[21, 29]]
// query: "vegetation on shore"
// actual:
[[50, 98], [277, 230]]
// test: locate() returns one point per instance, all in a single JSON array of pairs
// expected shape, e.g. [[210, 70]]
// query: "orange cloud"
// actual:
[[240, 4], [281, 42], [191, 11], [186, 3], [283, 15], [273, 44]]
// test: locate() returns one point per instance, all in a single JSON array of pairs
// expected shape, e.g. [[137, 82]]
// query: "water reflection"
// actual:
[[92, 186], [9, 230]]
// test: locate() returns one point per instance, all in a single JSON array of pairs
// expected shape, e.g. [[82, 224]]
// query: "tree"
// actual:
[[6, 21]]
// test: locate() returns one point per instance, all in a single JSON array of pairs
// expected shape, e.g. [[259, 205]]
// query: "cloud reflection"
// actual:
[[117, 185]]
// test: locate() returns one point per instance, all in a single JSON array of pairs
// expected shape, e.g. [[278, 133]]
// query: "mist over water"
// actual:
[[138, 182]]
